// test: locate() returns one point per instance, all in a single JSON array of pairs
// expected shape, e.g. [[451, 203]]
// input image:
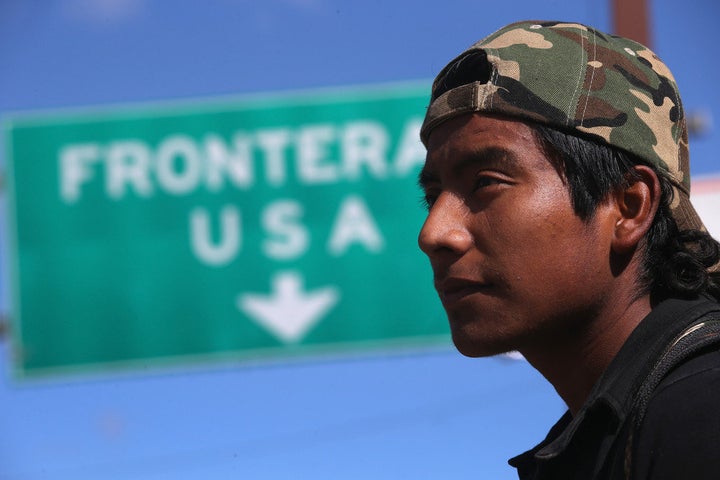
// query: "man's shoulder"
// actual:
[[694, 377], [681, 430], [702, 367]]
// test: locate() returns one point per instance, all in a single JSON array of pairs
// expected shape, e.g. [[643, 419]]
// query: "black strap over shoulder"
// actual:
[[692, 340]]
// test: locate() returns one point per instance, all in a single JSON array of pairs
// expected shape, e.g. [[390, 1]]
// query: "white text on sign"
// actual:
[[179, 165]]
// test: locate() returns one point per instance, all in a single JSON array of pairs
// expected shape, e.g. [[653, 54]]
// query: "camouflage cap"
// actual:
[[575, 78]]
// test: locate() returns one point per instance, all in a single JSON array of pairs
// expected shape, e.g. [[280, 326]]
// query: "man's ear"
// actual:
[[636, 207]]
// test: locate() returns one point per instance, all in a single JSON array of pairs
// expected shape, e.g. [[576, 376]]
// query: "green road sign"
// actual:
[[246, 228]]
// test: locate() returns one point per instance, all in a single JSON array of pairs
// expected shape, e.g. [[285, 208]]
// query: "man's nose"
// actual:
[[445, 229]]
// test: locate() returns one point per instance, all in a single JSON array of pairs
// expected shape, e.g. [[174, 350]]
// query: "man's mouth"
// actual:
[[453, 289]]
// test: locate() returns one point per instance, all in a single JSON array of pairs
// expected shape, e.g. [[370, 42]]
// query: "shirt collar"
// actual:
[[612, 395]]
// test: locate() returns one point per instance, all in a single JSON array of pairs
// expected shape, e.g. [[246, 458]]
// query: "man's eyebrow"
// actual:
[[426, 177], [488, 157], [485, 156]]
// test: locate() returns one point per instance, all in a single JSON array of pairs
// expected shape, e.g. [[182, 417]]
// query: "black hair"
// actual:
[[675, 263]]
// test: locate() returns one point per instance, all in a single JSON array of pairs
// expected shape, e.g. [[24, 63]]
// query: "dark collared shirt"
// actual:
[[680, 436]]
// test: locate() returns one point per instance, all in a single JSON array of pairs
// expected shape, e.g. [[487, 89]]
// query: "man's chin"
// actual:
[[477, 349]]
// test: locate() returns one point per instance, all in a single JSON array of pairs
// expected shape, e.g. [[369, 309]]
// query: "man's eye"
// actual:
[[485, 181], [428, 200]]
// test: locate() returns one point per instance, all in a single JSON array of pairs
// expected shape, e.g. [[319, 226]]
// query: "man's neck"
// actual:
[[573, 362]]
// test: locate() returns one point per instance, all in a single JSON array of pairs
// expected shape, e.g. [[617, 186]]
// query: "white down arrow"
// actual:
[[287, 311]]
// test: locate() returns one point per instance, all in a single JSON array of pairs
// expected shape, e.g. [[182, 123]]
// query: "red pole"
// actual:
[[631, 19]]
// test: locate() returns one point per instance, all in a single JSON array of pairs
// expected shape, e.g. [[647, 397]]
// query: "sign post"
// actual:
[[254, 228]]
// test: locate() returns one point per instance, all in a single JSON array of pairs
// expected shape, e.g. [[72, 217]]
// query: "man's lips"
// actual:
[[453, 289]]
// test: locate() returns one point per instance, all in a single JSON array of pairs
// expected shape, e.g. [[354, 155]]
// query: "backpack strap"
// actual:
[[696, 337]]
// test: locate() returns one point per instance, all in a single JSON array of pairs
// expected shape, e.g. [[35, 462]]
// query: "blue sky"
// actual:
[[414, 413]]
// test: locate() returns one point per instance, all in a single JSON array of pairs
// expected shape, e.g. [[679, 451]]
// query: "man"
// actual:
[[559, 225]]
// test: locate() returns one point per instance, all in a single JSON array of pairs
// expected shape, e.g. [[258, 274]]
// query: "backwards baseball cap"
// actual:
[[579, 80]]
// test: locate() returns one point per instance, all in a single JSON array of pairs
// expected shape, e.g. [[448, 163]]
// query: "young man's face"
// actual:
[[513, 264]]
